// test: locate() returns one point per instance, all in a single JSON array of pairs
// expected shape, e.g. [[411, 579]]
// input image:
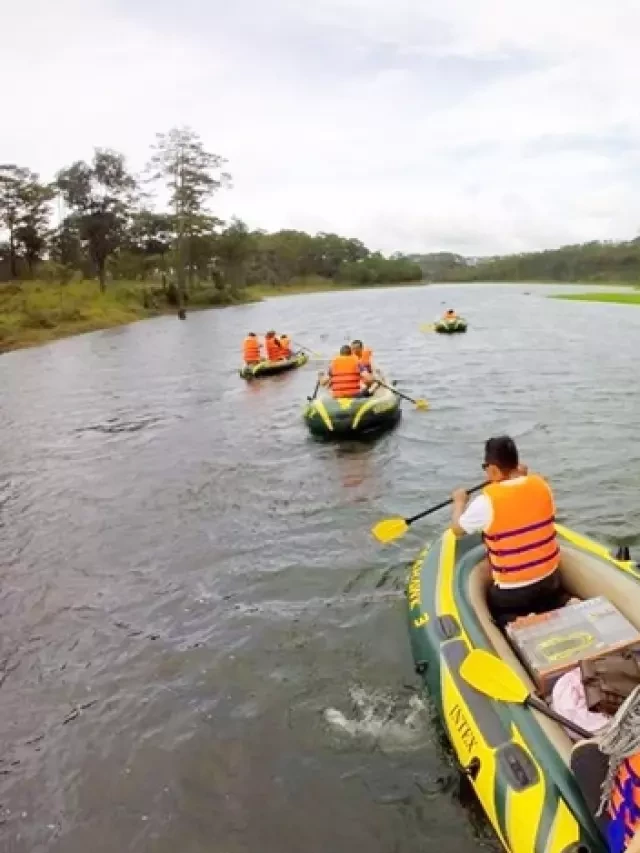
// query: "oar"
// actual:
[[427, 327], [393, 528], [315, 391], [306, 349], [419, 403], [493, 677]]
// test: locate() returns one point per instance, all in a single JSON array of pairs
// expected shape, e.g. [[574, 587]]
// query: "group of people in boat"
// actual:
[[515, 513], [350, 373], [276, 348]]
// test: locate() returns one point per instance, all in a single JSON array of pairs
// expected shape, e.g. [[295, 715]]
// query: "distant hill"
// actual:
[[437, 266], [605, 261]]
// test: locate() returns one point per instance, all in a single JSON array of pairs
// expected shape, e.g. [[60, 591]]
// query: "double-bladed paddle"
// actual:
[[392, 528]]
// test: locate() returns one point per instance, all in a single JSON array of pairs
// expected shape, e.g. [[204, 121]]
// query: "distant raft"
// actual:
[[353, 417], [271, 368], [448, 327]]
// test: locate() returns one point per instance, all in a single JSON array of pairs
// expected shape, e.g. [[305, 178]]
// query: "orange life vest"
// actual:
[[285, 343], [365, 357], [624, 808], [251, 350], [273, 348], [450, 315], [345, 376], [521, 539]]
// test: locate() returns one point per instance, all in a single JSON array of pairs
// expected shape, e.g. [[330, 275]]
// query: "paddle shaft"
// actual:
[[400, 394], [315, 391], [441, 505], [539, 705]]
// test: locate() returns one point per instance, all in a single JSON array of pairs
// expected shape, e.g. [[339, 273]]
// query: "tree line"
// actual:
[[111, 229], [605, 261]]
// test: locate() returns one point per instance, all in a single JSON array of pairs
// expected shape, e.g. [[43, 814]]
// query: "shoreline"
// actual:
[[34, 313]]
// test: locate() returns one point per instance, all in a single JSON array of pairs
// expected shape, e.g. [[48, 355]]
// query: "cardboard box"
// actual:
[[550, 644]]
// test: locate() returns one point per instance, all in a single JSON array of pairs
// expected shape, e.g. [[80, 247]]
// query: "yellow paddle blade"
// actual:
[[422, 404], [390, 529], [493, 677], [427, 327]]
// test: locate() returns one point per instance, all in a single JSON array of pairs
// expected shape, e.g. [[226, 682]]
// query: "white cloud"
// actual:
[[474, 126]]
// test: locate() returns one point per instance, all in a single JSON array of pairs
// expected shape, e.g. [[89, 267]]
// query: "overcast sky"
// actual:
[[478, 126]]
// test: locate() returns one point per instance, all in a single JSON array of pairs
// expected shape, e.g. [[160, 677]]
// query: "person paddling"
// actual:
[[516, 515], [285, 345], [272, 346], [346, 375], [364, 354]]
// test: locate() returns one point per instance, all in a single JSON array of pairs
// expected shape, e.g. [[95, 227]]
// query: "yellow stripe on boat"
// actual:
[[324, 414], [366, 407], [468, 742], [445, 600], [596, 548], [565, 830], [530, 802]]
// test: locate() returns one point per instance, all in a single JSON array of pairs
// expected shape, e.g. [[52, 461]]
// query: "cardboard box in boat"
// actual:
[[550, 644]]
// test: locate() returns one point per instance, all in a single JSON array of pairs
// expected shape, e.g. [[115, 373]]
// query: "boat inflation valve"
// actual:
[[472, 768], [622, 553]]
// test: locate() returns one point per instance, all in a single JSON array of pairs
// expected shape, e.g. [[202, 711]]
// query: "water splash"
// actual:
[[383, 720]]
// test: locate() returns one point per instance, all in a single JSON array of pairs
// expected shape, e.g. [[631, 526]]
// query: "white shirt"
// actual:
[[478, 517]]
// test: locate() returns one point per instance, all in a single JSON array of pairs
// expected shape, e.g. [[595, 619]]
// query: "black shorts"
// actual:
[[507, 604]]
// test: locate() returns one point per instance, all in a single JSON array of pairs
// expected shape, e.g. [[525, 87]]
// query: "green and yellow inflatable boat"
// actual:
[[272, 368], [517, 759], [449, 327], [353, 417]]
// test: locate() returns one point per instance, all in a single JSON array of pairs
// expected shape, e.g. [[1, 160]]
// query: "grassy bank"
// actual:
[[628, 298], [34, 312]]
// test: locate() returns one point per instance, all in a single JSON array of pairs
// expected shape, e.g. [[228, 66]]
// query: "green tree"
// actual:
[[24, 213], [32, 233], [100, 196], [192, 175], [234, 249]]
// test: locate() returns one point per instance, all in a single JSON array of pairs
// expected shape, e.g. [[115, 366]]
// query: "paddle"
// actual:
[[306, 349], [393, 528], [419, 403], [315, 391], [490, 675], [427, 327]]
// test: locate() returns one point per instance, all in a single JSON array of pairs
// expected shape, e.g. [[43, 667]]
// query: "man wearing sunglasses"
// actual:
[[516, 515]]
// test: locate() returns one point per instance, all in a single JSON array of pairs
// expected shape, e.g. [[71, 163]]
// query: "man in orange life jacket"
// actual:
[[251, 349], [285, 345], [346, 374], [364, 354], [273, 347], [516, 515]]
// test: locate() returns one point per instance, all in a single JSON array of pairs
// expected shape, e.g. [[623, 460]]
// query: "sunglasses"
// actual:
[[485, 465]]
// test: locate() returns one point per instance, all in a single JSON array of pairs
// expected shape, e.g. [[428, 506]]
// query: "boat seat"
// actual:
[[589, 766]]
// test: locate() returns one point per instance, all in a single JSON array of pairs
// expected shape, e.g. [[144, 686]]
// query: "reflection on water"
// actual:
[[202, 646]]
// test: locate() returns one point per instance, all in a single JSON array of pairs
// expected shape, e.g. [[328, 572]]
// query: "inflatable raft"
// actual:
[[448, 327], [271, 368], [517, 759], [352, 417]]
